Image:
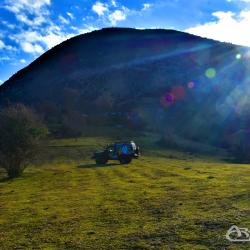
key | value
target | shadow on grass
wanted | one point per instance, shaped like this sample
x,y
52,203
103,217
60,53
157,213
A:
x,y
4,179
3,176
236,161
93,165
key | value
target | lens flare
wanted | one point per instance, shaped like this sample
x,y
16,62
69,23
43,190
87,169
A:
x,y
190,85
238,56
167,99
178,92
210,73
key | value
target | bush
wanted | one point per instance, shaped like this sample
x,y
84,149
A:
x,y
20,134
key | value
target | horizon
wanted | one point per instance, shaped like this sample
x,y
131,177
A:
x,y
28,29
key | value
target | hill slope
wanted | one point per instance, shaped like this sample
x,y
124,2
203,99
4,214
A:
x,y
161,80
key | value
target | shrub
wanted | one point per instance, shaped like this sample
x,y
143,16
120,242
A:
x,y
20,134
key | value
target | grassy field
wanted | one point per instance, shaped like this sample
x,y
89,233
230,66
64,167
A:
x,y
164,200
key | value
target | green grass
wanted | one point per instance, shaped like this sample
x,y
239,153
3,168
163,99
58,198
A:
x,y
164,200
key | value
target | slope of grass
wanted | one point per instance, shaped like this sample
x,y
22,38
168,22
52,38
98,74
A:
x,y
165,200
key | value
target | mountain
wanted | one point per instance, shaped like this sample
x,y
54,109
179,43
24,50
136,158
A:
x,y
159,80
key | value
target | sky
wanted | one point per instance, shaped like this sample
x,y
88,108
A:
x,y
28,28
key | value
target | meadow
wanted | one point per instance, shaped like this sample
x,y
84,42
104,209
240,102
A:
x,y
164,200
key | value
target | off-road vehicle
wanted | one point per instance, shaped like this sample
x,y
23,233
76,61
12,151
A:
x,y
121,151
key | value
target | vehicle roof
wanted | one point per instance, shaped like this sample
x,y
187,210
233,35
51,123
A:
x,y
122,142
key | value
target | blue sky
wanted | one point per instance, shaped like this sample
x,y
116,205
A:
x,y
28,28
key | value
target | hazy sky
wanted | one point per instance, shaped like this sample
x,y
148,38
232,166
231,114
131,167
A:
x,y
28,28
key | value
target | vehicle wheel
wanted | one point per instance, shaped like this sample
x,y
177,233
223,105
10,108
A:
x,y
124,159
101,161
137,151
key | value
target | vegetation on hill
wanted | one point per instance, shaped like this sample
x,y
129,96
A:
x,y
151,80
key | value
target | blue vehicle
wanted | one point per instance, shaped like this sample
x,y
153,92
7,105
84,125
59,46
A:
x,y
121,151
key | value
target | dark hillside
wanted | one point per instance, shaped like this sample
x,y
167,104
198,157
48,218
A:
x,y
160,80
